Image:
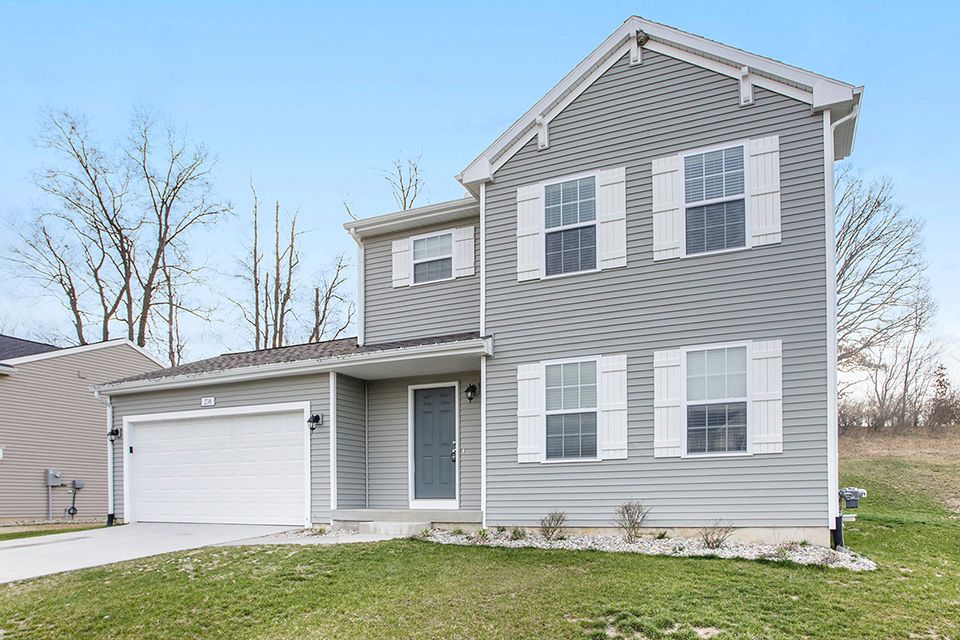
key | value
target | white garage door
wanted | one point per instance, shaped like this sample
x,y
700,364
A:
x,y
247,469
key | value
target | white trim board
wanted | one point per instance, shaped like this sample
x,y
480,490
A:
x,y
129,429
819,91
411,484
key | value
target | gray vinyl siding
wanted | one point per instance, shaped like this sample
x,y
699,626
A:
x,y
351,443
387,437
314,389
423,310
50,418
630,116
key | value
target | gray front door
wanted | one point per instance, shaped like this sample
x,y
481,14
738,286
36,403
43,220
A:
x,y
434,441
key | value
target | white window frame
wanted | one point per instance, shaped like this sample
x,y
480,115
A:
x,y
414,262
685,402
546,412
595,223
748,241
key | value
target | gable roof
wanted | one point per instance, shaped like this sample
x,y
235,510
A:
x,y
820,92
57,352
11,347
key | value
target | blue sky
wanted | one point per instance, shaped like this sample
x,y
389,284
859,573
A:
x,y
313,101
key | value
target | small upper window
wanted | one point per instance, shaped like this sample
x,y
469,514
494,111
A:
x,y
715,200
717,400
571,395
570,214
433,258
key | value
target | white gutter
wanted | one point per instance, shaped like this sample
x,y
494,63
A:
x,y
475,346
7,370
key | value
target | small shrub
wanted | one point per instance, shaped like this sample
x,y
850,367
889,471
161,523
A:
x,y
501,529
518,533
714,536
425,534
662,535
320,531
630,518
459,532
552,525
482,535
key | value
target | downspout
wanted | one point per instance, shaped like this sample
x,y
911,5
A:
x,y
111,517
834,519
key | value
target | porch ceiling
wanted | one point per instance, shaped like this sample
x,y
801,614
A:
x,y
426,365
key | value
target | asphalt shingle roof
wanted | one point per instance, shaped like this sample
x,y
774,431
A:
x,y
11,347
292,353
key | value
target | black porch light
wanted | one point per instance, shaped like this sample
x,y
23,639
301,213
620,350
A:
x,y
113,434
470,392
314,421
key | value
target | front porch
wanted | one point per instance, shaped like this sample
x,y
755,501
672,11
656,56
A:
x,y
405,444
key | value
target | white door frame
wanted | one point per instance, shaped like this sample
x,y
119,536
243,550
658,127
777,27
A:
x,y
433,503
129,422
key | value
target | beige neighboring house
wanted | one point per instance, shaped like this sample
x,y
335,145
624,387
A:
x,y
51,419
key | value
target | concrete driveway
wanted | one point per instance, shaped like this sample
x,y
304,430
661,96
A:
x,y
43,555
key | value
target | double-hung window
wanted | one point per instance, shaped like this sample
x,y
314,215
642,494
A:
x,y
433,257
571,410
570,226
714,200
716,407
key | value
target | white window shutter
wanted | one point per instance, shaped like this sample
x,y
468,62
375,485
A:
x,y
531,426
463,252
668,418
612,431
763,172
529,226
612,218
766,396
401,262
667,208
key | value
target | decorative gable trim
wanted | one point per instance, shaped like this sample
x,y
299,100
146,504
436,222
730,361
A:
x,y
819,91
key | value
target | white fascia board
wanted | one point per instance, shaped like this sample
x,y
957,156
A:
x,y
818,91
69,351
421,216
477,346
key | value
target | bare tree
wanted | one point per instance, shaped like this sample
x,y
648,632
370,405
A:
x,y
115,235
880,266
272,288
405,182
332,310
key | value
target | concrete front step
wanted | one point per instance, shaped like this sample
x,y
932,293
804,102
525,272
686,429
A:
x,y
392,528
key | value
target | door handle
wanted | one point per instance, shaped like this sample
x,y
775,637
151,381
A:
x,y
453,454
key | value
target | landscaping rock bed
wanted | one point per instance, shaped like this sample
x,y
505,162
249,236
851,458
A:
x,y
798,553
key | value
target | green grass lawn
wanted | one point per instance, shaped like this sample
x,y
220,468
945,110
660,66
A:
x,y
409,589
33,533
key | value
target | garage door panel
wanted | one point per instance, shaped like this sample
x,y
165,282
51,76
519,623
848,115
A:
x,y
242,469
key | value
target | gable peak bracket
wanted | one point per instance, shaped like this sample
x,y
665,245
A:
x,y
636,46
543,133
746,87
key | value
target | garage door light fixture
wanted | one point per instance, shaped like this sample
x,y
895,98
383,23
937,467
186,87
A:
x,y
314,421
113,434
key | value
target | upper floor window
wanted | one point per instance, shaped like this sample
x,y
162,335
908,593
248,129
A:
x,y
717,400
433,257
715,201
571,409
570,214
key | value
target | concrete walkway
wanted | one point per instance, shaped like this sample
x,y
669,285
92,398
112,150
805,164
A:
x,y
344,537
54,553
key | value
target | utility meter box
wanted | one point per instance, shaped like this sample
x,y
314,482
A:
x,y
53,478
78,484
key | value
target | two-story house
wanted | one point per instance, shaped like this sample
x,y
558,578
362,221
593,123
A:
x,y
635,302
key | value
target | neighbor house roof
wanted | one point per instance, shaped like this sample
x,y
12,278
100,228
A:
x,y
11,347
820,92
301,358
